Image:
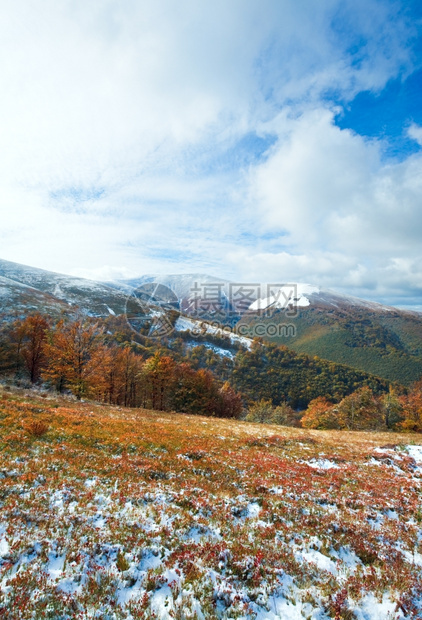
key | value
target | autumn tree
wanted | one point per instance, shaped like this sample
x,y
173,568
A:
x,y
22,346
320,414
34,329
129,372
360,411
16,337
260,411
264,412
195,391
6,351
412,409
285,415
392,408
74,356
230,402
158,373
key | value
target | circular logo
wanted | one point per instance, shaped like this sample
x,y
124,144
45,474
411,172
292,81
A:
x,y
152,310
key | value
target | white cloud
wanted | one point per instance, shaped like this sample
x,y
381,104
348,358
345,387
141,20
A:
x,y
415,132
344,216
116,118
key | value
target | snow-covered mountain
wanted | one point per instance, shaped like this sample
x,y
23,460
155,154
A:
x,y
366,335
197,291
303,295
24,288
369,336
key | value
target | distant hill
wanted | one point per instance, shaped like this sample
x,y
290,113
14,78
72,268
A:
x,y
380,340
24,289
372,337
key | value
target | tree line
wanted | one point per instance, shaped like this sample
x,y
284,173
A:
x,y
77,356
276,372
362,410
279,386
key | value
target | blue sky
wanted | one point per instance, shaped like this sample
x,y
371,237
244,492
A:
x,y
274,141
387,115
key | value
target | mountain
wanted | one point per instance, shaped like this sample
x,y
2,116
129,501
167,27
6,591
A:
x,y
379,339
24,289
366,335
371,337
16,297
195,292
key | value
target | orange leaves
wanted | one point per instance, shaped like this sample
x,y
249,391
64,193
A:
x,y
36,428
319,414
412,409
74,356
159,377
119,375
23,347
34,329
361,410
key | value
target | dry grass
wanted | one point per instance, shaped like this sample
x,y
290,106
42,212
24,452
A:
x,y
109,511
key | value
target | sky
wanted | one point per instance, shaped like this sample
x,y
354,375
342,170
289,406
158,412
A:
x,y
271,141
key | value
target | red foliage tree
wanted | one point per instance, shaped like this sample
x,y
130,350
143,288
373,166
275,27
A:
x,y
74,357
320,414
412,409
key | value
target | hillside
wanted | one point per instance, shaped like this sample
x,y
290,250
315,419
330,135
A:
x,y
369,337
17,298
285,376
106,360
116,513
24,289
386,343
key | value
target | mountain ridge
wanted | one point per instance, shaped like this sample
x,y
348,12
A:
x,y
378,339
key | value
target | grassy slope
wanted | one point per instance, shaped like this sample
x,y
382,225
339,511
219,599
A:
x,y
123,513
396,356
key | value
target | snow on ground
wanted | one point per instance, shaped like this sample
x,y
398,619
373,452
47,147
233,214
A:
x,y
416,453
4,545
370,608
202,327
321,464
212,347
167,514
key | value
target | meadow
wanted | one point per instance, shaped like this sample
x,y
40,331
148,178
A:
x,y
109,512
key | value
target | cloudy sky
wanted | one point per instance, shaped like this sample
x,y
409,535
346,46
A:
x,y
278,140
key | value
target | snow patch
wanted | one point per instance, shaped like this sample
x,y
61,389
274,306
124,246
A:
x,y
4,545
253,510
416,453
372,609
322,561
202,328
322,464
288,295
